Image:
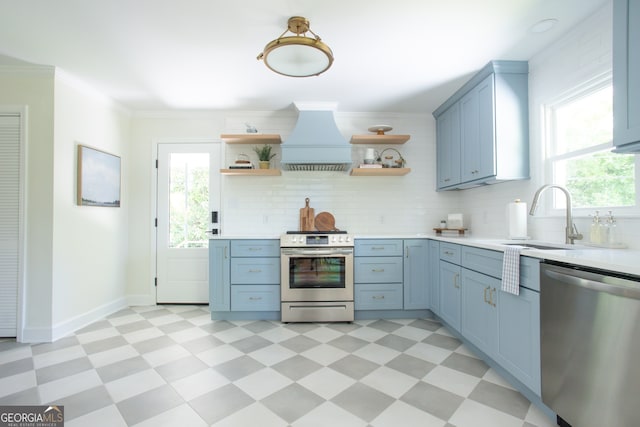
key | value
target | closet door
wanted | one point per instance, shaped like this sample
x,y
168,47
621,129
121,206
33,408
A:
x,y
9,222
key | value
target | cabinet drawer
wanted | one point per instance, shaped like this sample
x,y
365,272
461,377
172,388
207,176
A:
x,y
255,248
450,252
378,247
377,270
483,261
255,271
379,296
255,298
490,263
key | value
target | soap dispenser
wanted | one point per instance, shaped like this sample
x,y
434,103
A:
x,y
594,232
612,228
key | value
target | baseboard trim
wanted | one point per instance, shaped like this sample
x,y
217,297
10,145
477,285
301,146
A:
x,y
36,335
71,325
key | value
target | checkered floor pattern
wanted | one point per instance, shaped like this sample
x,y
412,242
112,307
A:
x,y
174,366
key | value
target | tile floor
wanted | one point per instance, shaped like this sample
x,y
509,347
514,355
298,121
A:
x,y
172,365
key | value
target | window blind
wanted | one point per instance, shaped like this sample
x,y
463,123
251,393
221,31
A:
x,y
9,222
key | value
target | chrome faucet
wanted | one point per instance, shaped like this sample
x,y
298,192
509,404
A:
x,y
571,231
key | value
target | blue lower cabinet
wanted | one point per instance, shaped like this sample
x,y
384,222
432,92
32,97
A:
x,y
479,320
378,296
518,346
450,294
244,279
377,269
219,275
434,276
255,271
416,274
255,298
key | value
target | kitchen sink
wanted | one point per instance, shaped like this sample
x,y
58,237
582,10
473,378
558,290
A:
x,y
541,247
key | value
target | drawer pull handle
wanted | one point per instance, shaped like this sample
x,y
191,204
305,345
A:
x,y
378,270
455,281
255,298
485,294
255,249
377,248
448,253
257,270
378,297
447,179
491,294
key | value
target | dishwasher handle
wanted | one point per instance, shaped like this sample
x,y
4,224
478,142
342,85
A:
x,y
621,287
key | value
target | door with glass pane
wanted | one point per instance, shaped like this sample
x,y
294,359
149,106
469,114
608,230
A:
x,y
188,204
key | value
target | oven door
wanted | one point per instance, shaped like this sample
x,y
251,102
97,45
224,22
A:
x,y
316,274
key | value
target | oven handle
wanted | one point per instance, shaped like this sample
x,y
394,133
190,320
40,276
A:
x,y
316,251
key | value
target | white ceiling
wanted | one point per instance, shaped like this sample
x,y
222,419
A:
x,y
391,56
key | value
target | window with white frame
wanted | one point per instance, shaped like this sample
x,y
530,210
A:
x,y
579,157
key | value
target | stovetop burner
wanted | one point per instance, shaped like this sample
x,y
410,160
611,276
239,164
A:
x,y
318,232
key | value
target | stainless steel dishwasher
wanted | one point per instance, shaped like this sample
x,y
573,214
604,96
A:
x,y
590,345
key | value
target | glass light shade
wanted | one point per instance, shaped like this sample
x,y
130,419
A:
x,y
298,56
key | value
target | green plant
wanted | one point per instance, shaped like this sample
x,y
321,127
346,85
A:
x,y
264,153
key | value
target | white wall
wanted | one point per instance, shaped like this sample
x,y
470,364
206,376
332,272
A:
x,y
269,206
90,244
581,54
33,87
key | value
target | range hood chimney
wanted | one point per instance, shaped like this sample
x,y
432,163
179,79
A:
x,y
316,144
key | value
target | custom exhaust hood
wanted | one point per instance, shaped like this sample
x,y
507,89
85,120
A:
x,y
316,144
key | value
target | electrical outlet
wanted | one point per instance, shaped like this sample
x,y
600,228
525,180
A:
x,y
381,219
265,219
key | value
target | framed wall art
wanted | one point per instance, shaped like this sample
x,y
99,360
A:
x,y
98,178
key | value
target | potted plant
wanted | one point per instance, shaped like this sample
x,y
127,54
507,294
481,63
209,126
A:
x,y
264,155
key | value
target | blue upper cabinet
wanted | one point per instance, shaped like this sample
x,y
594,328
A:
x,y
626,76
448,137
483,129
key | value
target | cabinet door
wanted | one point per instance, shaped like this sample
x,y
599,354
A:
x,y
626,72
477,130
448,147
434,276
479,321
450,294
219,276
416,291
518,346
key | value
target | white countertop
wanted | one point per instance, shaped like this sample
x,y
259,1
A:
x,y
619,260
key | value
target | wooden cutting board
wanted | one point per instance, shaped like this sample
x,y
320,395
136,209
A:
x,y
325,222
307,217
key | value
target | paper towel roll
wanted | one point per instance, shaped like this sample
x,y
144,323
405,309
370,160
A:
x,y
517,218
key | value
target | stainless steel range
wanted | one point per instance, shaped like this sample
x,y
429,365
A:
x,y
316,277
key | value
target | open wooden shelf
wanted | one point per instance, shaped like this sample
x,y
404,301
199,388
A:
x,y
251,138
251,172
460,231
380,171
380,139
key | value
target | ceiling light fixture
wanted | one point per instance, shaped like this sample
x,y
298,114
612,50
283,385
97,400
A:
x,y
299,55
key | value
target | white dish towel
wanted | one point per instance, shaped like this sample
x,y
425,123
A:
x,y
511,269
